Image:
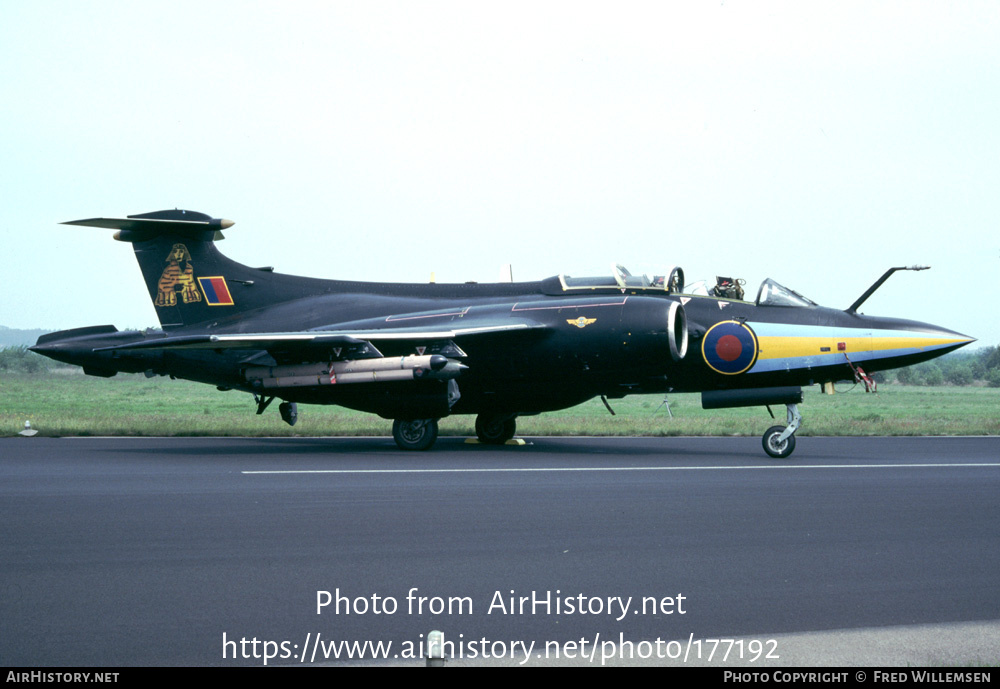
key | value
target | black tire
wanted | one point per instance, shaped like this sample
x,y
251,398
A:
x,y
415,434
773,448
495,430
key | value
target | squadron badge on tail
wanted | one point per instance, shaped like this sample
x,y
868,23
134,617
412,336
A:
x,y
174,276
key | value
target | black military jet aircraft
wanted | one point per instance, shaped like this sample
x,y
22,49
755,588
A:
x,y
417,352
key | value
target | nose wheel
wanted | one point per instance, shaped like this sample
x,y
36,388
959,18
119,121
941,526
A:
x,y
779,441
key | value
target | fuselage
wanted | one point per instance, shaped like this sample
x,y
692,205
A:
x,y
417,352
601,341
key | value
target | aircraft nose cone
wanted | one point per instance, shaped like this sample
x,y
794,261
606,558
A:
x,y
942,336
901,343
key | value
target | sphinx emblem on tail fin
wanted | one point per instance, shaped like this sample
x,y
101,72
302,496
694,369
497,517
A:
x,y
179,273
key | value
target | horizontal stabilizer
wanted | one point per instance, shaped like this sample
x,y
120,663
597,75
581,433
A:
x,y
137,228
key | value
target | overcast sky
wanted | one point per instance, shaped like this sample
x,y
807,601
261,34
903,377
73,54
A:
x,y
818,144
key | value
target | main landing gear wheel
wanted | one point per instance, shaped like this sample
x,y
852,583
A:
x,y
415,434
774,445
495,430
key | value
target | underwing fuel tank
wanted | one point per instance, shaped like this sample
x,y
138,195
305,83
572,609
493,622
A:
x,y
386,369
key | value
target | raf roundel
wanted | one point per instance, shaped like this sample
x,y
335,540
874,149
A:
x,y
729,348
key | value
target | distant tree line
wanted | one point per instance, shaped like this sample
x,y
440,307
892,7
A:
x,y
980,367
18,359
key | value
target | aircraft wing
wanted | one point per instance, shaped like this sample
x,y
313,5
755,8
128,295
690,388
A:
x,y
360,343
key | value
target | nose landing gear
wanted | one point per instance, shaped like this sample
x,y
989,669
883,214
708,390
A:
x,y
779,441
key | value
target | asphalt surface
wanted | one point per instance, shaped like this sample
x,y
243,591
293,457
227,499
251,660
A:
x,y
203,551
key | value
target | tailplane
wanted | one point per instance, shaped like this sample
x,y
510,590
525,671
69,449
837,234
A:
x,y
188,279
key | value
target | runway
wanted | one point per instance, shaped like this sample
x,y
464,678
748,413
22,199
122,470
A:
x,y
184,551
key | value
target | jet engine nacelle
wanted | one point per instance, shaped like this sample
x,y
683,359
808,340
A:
x,y
677,331
654,331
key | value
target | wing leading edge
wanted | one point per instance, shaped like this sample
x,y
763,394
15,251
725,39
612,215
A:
x,y
313,339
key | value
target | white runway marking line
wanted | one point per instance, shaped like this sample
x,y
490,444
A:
x,y
583,469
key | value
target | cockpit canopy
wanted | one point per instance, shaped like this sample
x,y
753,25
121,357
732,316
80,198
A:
x,y
773,294
671,281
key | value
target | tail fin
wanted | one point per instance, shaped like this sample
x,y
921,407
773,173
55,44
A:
x,y
188,279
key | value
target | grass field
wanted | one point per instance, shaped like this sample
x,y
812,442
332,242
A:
x,y
60,404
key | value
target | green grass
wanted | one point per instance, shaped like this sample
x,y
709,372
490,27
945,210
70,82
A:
x,y
59,404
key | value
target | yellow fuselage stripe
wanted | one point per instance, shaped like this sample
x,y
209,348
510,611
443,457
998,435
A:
x,y
780,347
